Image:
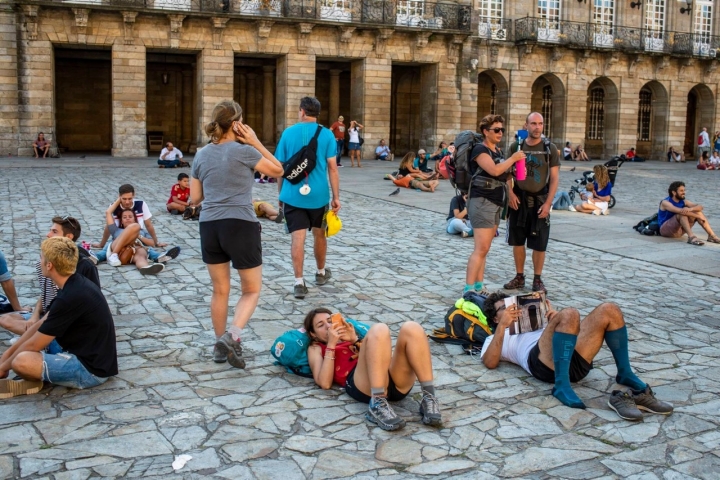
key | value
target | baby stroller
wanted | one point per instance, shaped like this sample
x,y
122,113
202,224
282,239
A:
x,y
588,176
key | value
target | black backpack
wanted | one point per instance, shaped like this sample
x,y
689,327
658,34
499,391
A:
x,y
648,226
303,162
458,166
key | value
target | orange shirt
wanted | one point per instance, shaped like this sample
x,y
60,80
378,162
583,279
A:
x,y
404,182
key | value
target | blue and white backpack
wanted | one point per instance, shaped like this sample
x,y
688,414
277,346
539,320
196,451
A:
x,y
290,348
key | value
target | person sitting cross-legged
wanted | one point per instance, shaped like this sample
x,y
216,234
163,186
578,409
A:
x,y
457,220
677,216
564,350
376,374
75,345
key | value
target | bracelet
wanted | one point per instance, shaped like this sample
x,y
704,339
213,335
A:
x,y
330,358
330,350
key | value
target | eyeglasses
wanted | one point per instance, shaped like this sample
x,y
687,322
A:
x,y
496,130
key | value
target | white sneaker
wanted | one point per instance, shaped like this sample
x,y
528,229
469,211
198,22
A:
x,y
596,212
606,212
114,260
572,209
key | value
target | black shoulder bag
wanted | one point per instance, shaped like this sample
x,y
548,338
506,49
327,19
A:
x,y
303,162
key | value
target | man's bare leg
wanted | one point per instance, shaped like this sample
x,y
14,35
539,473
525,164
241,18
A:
x,y
319,247
13,322
705,224
297,251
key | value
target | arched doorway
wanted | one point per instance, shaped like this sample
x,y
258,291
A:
x,y
652,126
700,108
601,125
548,98
492,96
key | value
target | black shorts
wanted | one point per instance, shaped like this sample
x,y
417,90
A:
x,y
518,235
231,239
579,367
304,218
393,395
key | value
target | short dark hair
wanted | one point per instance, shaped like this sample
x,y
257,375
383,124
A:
x,y
69,225
674,186
489,306
488,120
127,188
311,105
310,317
183,175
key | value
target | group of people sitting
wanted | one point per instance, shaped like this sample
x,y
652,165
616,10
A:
x,y
576,154
414,171
709,162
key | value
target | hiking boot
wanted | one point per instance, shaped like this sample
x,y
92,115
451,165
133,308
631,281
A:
x,y
645,400
300,290
152,269
230,349
516,283
624,406
13,388
218,356
322,279
169,255
381,413
430,410
539,286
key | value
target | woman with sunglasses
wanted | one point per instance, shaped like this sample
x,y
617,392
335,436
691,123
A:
x,y
488,195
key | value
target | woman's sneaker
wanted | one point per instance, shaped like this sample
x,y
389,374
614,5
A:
x,y
169,255
381,413
231,349
430,410
645,400
572,209
113,260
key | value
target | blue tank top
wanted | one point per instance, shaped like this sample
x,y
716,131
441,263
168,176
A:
x,y
664,215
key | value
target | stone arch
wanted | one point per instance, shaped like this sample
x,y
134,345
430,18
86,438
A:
x,y
652,127
493,97
603,118
700,113
548,97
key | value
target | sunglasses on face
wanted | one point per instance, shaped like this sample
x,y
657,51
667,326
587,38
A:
x,y
496,130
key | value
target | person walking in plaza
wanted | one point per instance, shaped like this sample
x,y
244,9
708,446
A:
x,y
677,216
338,129
306,203
354,146
222,179
530,201
703,142
488,195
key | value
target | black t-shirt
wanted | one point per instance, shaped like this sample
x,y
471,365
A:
x,y
497,194
403,171
81,322
86,268
458,203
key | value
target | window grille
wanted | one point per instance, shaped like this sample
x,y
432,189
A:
x,y
596,109
547,109
644,115
493,99
549,14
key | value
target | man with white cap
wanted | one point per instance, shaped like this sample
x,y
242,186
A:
x,y
421,161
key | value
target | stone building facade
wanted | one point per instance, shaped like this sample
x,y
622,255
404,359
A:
x,y
108,75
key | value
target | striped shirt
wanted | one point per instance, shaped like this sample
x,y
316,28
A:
x,y
48,290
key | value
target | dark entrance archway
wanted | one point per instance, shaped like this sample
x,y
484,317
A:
x,y
700,113
652,127
413,108
493,93
548,98
254,89
603,116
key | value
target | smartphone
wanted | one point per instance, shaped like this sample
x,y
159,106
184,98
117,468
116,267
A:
x,y
337,320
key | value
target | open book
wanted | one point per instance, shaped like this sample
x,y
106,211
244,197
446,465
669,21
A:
x,y
534,312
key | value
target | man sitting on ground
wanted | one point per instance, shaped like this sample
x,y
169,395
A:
x,y
677,216
171,157
67,227
8,285
564,350
382,152
75,345
421,161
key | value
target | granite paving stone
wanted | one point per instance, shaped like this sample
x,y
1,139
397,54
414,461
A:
x,y
392,262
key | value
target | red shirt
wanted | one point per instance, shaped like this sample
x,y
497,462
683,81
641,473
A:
x,y
346,358
182,194
630,154
338,130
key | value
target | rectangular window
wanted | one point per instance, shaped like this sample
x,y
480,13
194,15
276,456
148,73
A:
x,y
490,23
654,24
603,19
411,12
702,27
338,10
548,12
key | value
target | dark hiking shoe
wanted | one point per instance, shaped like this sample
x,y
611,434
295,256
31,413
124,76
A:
x,y
539,286
381,413
169,255
218,356
322,279
624,406
300,290
280,216
516,283
152,269
645,400
430,410
231,349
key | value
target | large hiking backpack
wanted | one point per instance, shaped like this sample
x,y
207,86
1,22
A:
x,y
648,226
458,166
462,328
290,348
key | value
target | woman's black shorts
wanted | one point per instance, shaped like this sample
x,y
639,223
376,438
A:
x,y
231,240
579,367
393,394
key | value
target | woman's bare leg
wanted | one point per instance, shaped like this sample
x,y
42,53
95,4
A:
x,y
411,358
127,237
250,285
220,276
374,361
140,258
483,238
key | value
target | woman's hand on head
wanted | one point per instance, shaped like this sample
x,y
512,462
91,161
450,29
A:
x,y
245,134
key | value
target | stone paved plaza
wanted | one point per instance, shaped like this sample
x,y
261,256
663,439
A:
x,y
391,263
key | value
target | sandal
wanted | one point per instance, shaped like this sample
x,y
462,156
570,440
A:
x,y
695,241
713,239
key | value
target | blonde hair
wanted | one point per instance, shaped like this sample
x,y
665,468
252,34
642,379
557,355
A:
x,y
601,175
223,116
62,253
408,158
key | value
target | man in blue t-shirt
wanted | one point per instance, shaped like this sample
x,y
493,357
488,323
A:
x,y
677,216
305,204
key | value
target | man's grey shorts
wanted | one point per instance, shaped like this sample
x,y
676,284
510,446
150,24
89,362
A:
x,y
483,213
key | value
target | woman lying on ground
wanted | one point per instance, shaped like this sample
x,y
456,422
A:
x,y
371,371
407,168
129,234
408,181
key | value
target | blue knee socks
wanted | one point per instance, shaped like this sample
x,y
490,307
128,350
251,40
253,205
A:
x,y
563,348
617,342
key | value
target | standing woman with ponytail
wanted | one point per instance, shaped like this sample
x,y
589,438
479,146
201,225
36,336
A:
x,y
222,179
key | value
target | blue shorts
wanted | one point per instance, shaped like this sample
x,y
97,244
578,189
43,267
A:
x,y
65,369
5,274
353,146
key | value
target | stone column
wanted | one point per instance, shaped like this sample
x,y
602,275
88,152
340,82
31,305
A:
x,y
629,101
129,105
295,79
214,84
576,116
468,103
187,107
429,98
9,105
268,123
334,103
371,88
